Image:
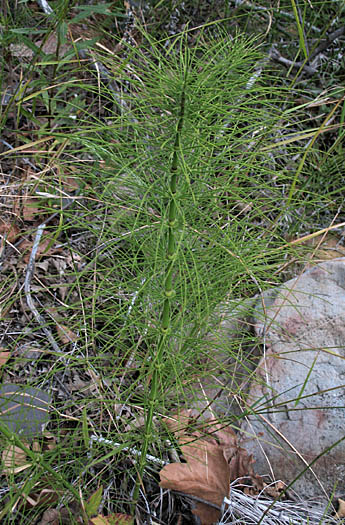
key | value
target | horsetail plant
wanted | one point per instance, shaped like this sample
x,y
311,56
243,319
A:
x,y
169,292
186,151
179,193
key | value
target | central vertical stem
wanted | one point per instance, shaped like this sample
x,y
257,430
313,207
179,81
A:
x,y
169,292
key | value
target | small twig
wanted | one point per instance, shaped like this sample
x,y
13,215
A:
x,y
148,510
310,70
131,450
27,288
277,57
45,7
326,43
27,284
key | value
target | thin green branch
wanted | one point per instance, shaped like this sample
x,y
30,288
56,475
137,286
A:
x,y
169,293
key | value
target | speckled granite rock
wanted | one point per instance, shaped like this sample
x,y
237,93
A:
x,y
299,392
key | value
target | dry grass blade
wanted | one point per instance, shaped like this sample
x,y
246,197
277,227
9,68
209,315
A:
x,y
242,508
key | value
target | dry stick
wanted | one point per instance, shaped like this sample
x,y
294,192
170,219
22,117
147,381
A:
x,y
277,57
324,45
27,285
45,6
310,70
197,499
132,450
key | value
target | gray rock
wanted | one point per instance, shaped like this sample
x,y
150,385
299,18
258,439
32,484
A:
x,y
24,410
298,395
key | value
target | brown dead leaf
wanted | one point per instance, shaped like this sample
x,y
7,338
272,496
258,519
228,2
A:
x,y
206,473
50,517
114,519
26,208
99,520
21,51
36,446
180,423
64,516
44,497
14,460
341,510
213,461
26,246
10,231
44,248
43,265
330,248
65,334
4,355
274,490
50,46
48,443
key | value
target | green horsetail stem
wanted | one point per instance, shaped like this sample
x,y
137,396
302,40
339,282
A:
x,y
169,293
